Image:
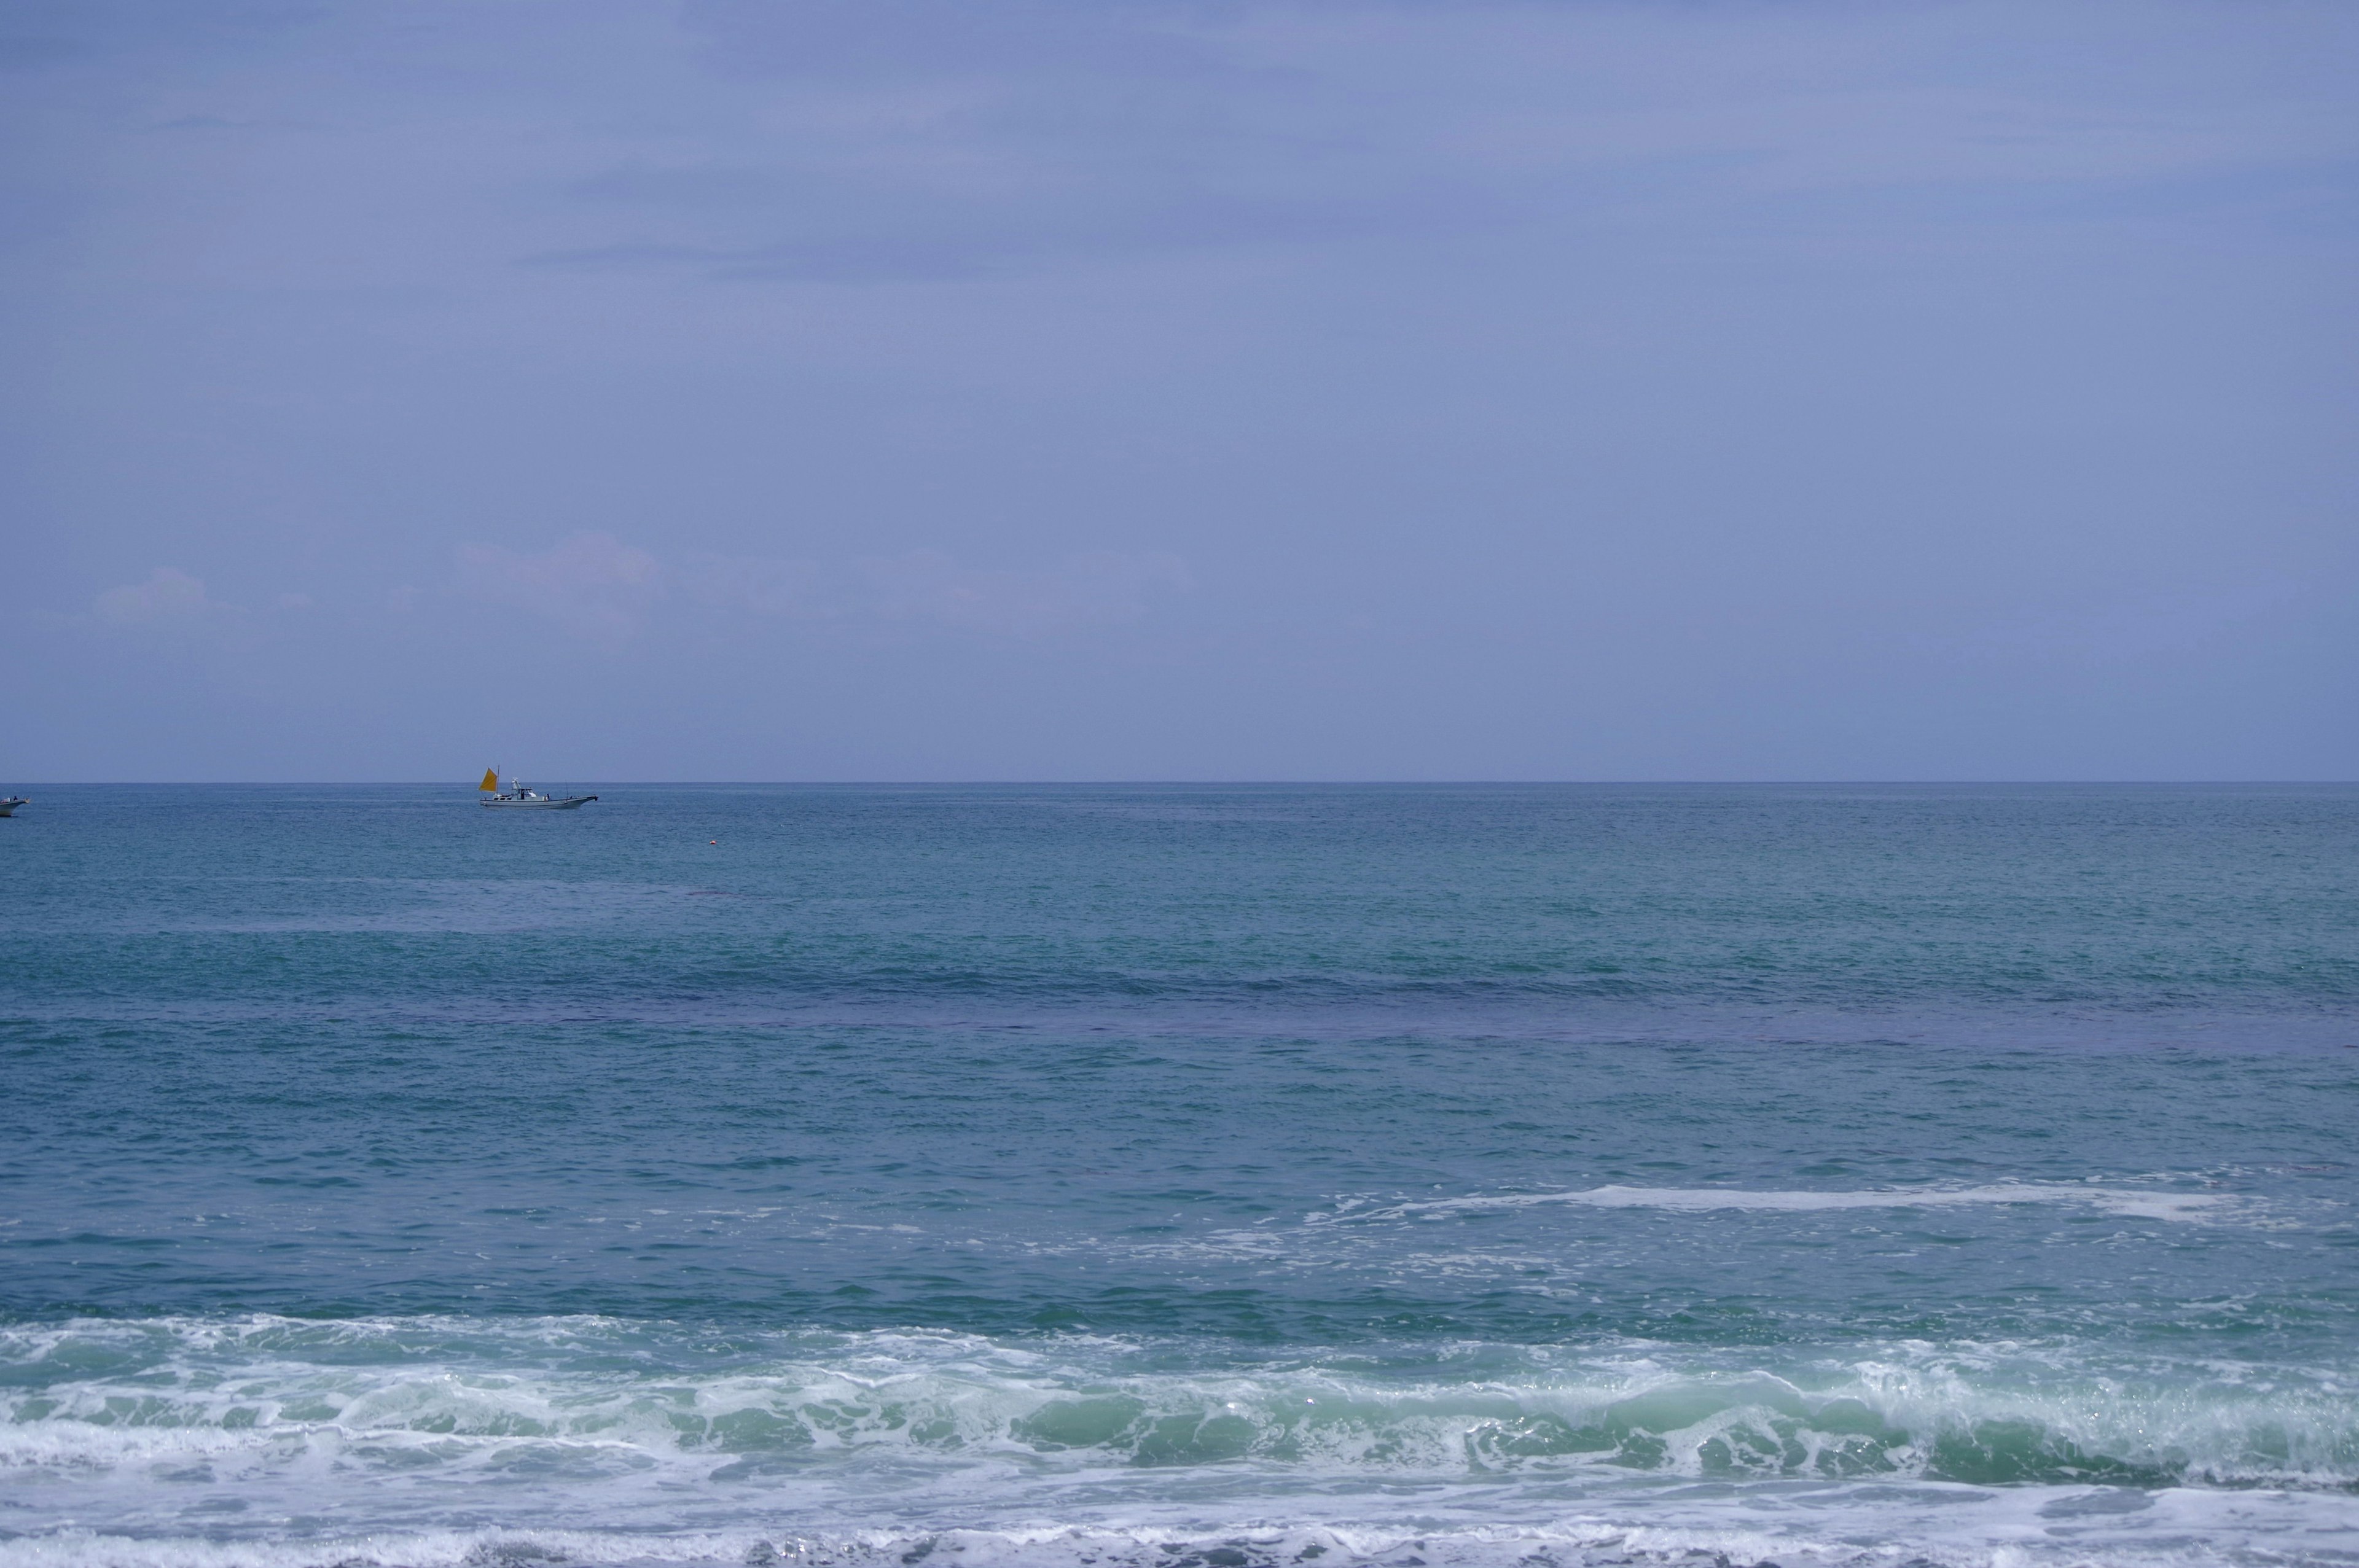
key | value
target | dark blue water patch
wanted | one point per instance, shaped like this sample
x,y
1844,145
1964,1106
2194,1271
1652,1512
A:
x,y
2150,901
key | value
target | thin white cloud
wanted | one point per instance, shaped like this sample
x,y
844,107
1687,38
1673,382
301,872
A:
x,y
592,583
1098,589
766,587
169,596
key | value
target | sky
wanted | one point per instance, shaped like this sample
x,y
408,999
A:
x,y
1124,389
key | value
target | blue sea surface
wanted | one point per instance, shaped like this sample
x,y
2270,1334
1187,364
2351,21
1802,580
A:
x,y
1181,1177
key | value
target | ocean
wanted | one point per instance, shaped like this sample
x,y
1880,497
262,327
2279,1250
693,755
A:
x,y
1181,1177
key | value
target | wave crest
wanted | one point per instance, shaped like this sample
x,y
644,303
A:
x,y
585,1399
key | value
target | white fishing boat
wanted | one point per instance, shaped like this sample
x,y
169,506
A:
x,y
517,794
8,806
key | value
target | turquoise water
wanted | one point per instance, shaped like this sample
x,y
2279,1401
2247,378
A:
x,y
1182,1176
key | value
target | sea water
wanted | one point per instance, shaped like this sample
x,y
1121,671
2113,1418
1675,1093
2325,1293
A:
x,y
1194,1177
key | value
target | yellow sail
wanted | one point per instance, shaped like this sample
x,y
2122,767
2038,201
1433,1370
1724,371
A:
x,y
491,779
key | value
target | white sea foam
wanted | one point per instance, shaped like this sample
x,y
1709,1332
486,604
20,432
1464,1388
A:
x,y
2033,1528
459,1404
2140,1201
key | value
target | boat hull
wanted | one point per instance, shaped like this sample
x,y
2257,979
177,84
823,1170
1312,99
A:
x,y
8,807
570,803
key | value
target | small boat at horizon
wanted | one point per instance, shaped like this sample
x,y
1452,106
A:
x,y
517,794
8,806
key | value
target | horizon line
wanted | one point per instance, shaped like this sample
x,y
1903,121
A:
x,y
1221,782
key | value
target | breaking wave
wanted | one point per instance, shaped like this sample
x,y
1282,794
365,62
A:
x,y
585,1400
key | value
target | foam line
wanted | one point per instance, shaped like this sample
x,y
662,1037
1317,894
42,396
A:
x,y
2143,1204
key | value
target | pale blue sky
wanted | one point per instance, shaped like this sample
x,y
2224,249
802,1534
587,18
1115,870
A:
x,y
947,390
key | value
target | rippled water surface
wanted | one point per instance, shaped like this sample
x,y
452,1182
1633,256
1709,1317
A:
x,y
1194,1177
